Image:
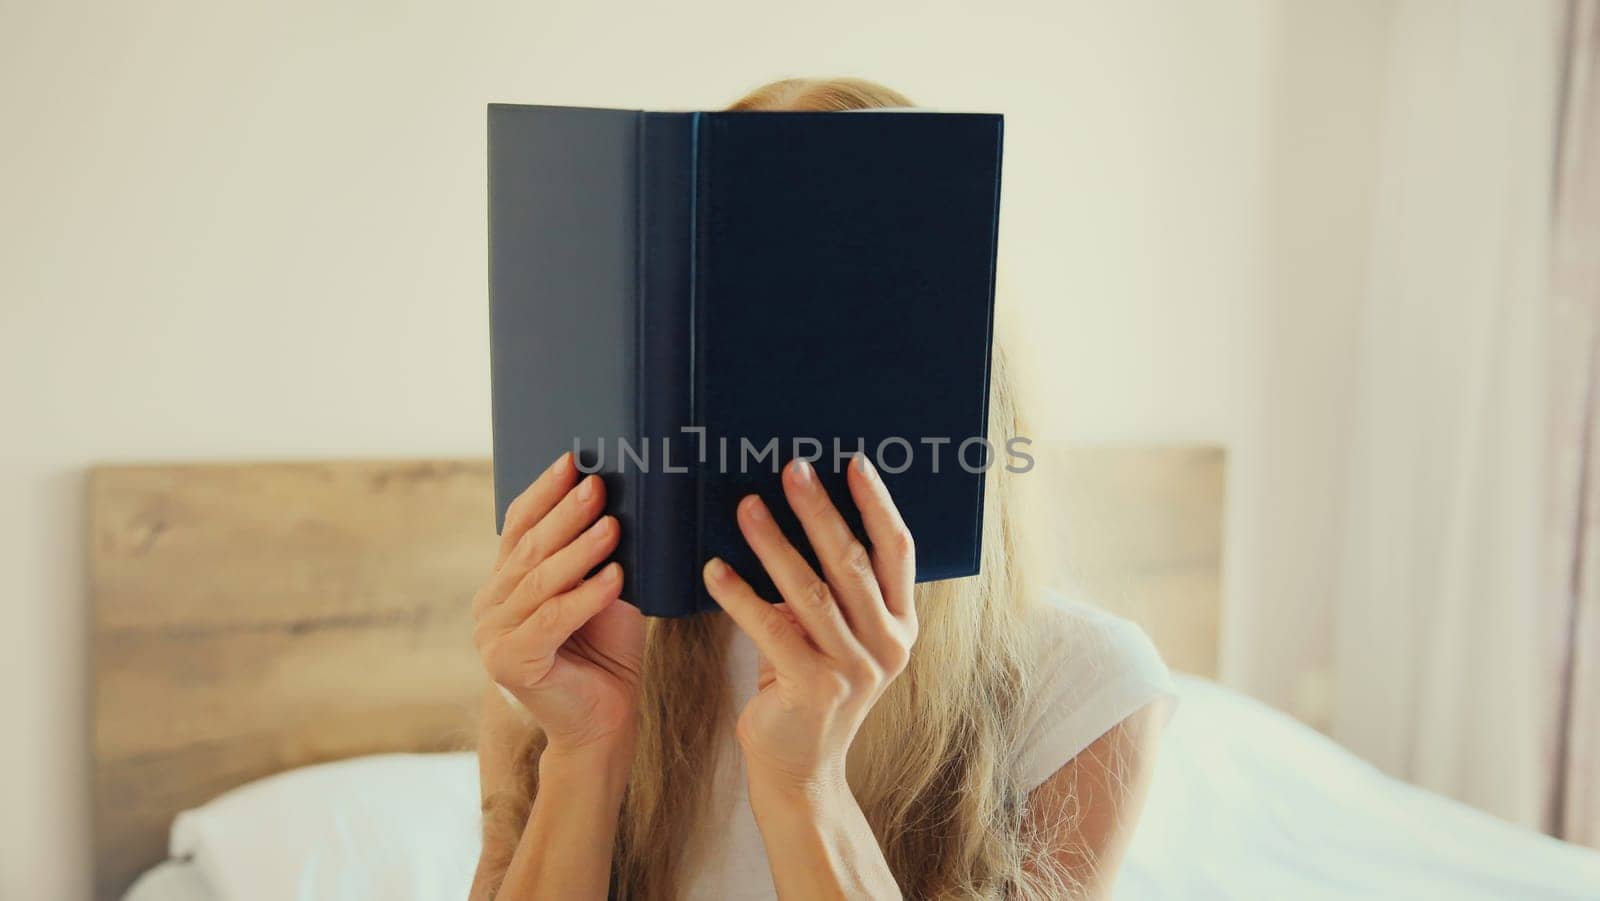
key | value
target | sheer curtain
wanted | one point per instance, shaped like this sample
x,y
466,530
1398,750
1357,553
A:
x,y
1572,523
1445,669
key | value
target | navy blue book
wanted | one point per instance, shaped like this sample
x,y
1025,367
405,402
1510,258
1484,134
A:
x,y
690,300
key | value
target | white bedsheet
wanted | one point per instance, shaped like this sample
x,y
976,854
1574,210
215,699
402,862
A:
x,y
1247,804
172,880
1250,804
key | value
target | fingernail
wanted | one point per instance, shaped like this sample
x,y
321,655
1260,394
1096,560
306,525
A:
x,y
716,569
601,530
559,466
611,573
865,466
754,509
802,471
586,488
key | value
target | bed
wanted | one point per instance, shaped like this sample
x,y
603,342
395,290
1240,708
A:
x,y
284,691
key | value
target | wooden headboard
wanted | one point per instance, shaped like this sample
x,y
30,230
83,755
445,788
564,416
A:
x,y
252,618
1138,531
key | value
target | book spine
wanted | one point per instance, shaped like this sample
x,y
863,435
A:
x,y
667,579
699,309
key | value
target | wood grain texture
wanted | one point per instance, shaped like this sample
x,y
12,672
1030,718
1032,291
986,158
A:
x,y
248,619
1138,532
252,618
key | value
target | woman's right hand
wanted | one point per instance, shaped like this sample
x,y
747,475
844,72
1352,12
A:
x,y
565,646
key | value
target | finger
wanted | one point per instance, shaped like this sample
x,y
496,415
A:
x,y
548,628
576,511
894,556
558,573
845,560
571,513
502,582
807,594
535,502
775,635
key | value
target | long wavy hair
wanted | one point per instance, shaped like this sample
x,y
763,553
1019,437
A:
x,y
935,765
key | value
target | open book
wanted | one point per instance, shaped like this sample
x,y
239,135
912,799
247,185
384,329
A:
x,y
691,299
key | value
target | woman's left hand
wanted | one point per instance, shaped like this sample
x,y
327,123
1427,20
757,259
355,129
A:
x,y
832,647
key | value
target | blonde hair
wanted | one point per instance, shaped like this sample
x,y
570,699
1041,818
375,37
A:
x,y
935,766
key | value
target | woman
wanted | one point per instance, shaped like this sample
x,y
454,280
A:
x,y
864,738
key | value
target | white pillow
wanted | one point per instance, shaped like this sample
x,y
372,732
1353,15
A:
x,y
393,826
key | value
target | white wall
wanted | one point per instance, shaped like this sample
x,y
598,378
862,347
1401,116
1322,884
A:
x,y
231,232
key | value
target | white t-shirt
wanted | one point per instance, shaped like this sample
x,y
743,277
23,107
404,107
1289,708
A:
x,y
1095,670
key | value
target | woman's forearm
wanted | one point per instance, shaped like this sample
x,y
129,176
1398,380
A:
x,y
818,842
565,850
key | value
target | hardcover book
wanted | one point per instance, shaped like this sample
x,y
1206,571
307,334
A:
x,y
689,300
